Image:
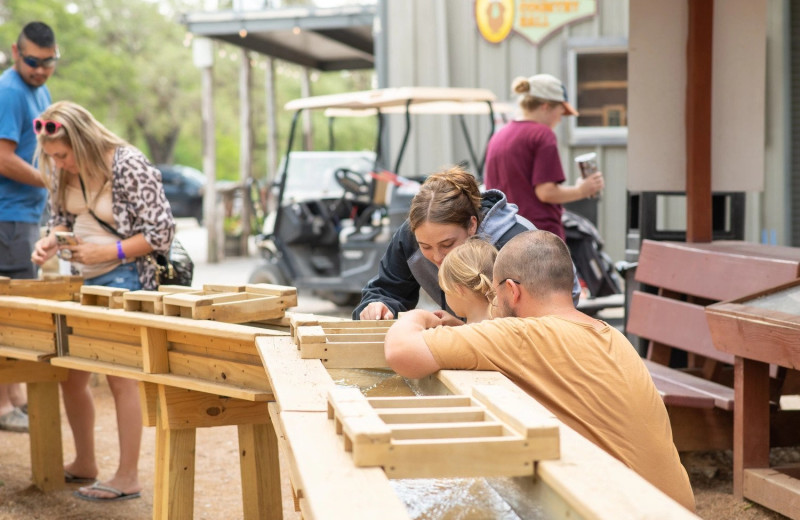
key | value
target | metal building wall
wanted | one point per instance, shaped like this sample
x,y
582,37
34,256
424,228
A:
x,y
436,43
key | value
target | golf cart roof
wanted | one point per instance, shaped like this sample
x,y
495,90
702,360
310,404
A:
x,y
392,97
432,107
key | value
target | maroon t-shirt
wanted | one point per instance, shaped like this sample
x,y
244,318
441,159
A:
x,y
520,156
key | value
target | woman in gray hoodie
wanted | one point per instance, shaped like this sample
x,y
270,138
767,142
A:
x,y
448,209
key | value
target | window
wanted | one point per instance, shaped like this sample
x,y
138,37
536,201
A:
x,y
598,85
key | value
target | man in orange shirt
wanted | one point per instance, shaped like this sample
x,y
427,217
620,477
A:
x,y
583,370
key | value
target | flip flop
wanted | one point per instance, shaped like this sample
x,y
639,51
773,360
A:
x,y
69,478
119,495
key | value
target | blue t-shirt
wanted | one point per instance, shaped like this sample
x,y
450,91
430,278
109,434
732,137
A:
x,y
19,105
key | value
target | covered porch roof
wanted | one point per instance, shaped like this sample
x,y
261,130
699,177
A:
x,y
333,38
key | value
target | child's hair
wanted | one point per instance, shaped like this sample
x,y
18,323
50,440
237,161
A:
x,y
469,265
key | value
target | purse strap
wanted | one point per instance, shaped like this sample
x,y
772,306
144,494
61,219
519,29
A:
x,y
102,223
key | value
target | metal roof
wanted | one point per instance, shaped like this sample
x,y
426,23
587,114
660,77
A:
x,y
332,38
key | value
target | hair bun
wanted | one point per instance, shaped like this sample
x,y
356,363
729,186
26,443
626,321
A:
x,y
520,85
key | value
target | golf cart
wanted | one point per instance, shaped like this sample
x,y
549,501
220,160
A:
x,y
332,222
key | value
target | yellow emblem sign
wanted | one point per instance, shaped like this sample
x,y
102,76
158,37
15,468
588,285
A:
x,y
495,18
535,20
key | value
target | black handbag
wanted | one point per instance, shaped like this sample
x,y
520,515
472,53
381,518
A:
x,y
172,268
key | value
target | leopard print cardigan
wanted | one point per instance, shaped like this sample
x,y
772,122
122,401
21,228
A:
x,y
138,203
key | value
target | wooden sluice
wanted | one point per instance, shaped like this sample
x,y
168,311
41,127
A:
x,y
268,376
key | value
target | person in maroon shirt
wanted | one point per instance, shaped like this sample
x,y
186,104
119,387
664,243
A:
x,y
522,158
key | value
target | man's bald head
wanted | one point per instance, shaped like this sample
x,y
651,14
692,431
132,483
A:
x,y
539,260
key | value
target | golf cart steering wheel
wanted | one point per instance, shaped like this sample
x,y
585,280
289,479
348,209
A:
x,y
352,181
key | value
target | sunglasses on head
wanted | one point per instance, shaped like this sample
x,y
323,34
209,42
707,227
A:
x,y
46,126
35,63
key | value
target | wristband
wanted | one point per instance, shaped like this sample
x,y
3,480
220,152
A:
x,y
120,252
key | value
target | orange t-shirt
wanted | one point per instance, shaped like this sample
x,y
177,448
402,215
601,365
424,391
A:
x,y
593,380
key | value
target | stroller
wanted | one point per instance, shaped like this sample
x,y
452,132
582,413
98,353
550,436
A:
x,y
594,266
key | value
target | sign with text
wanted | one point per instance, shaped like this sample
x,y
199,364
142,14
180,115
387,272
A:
x,y
535,20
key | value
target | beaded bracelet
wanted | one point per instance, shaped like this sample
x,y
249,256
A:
x,y
120,252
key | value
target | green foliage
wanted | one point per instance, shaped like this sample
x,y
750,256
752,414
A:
x,y
130,63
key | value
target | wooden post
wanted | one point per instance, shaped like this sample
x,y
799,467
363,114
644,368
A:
x,y
261,476
47,459
272,122
245,145
305,91
698,121
750,415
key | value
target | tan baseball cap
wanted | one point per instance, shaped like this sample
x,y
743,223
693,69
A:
x,y
550,88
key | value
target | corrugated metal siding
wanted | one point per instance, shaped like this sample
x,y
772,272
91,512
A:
x,y
415,59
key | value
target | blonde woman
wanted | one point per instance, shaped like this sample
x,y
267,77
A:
x,y
465,276
110,198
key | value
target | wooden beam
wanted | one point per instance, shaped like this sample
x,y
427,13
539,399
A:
x,y
699,53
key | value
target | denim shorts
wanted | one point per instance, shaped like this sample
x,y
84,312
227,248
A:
x,y
124,276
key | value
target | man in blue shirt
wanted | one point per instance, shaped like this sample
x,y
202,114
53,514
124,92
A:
x,y
23,96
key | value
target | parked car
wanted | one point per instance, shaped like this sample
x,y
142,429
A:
x,y
184,187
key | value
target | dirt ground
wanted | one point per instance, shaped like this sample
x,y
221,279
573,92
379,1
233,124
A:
x,y
218,482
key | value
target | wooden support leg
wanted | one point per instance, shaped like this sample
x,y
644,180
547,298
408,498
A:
x,y
174,480
750,419
47,457
261,478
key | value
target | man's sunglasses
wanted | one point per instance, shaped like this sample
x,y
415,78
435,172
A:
x,y
45,63
46,126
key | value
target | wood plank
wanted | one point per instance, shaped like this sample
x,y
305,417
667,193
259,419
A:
x,y
722,396
260,470
721,270
103,328
715,423
328,483
420,401
108,351
218,371
287,373
447,431
346,355
154,351
753,337
251,359
148,396
223,343
675,323
30,318
251,309
513,410
750,419
776,488
177,381
23,371
173,495
432,415
41,341
44,418
25,354
182,408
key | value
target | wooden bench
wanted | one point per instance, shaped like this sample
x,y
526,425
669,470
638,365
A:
x,y
697,388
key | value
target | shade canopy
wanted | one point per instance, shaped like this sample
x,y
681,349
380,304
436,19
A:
x,y
335,38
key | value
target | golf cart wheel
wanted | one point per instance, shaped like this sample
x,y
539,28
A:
x,y
268,273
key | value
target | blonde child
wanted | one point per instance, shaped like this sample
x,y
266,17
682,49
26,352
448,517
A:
x,y
465,276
